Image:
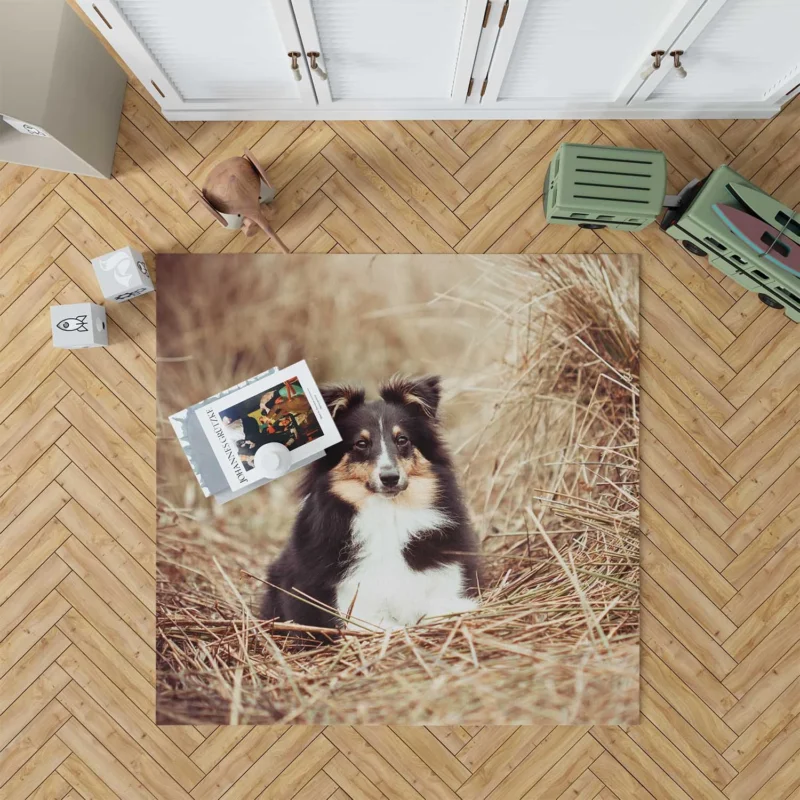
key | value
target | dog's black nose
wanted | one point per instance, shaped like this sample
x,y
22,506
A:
x,y
390,478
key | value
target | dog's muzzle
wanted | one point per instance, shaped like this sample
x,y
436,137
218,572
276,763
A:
x,y
390,481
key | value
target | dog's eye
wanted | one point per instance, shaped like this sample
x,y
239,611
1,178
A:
x,y
401,440
361,444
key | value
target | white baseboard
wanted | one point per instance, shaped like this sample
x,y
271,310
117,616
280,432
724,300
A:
x,y
699,111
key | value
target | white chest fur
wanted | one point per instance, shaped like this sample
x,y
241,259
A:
x,y
388,592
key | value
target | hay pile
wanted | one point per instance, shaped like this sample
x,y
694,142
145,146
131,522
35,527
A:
x,y
546,414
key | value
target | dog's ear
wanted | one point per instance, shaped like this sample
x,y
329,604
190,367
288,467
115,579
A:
x,y
341,398
422,393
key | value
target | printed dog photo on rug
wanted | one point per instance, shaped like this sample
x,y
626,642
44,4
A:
x,y
383,538
468,554
281,414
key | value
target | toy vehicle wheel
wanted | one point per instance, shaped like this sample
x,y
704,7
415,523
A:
x,y
592,226
693,248
769,301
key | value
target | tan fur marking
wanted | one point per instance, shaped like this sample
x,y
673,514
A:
x,y
422,483
351,491
339,404
349,481
410,398
400,384
421,493
417,465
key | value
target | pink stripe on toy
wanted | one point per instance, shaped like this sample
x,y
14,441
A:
x,y
764,239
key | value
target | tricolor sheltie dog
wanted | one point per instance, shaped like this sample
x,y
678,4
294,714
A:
x,y
382,532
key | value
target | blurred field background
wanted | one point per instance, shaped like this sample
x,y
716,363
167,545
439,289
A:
x,y
539,358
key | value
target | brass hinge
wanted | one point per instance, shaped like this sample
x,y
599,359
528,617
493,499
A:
x,y
485,83
469,88
503,15
486,13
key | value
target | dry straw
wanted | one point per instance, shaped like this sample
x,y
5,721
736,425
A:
x,y
547,447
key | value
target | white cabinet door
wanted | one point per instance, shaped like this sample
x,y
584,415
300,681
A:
x,y
404,54
740,51
570,54
208,54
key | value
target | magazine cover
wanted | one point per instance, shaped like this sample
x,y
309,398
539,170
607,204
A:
x,y
284,407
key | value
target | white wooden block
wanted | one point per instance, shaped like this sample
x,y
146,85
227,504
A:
x,y
78,325
122,275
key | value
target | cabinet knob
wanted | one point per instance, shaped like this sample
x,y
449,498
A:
x,y
676,59
295,66
315,68
651,68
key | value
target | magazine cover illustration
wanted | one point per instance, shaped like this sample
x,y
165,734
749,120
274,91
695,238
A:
x,y
281,414
286,407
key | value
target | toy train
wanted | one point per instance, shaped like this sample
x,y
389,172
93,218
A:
x,y
744,232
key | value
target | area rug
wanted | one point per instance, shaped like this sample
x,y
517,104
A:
x,y
506,388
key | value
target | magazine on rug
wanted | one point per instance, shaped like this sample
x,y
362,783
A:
x,y
223,434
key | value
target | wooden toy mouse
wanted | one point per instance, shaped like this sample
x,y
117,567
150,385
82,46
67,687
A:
x,y
234,193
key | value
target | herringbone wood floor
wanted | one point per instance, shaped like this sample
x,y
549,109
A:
x,y
720,471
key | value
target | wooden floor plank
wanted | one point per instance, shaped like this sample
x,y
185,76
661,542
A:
x,y
517,198
228,757
691,688
163,766
12,176
108,515
419,161
83,781
766,399
99,760
501,180
142,187
681,733
29,195
680,444
302,150
375,227
110,479
16,281
437,143
159,131
425,221
33,736
682,555
488,158
476,133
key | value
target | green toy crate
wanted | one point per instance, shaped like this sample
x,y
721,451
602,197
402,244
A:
x,y
598,187
702,232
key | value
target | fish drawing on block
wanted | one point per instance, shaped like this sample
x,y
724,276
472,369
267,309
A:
x,y
764,239
120,264
77,324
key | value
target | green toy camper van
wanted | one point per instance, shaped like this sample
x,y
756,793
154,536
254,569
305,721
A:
x,y
594,186
605,187
695,224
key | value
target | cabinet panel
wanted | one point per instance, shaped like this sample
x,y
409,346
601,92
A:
x,y
454,59
388,52
747,52
207,53
582,50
